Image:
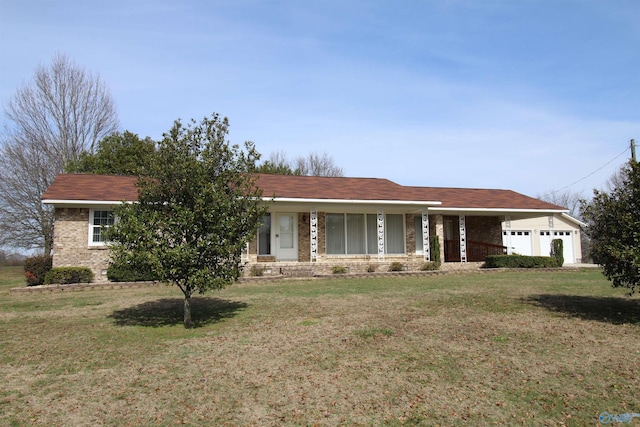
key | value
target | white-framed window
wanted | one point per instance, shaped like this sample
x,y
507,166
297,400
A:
x,y
357,234
98,221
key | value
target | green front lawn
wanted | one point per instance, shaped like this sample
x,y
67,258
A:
x,y
505,348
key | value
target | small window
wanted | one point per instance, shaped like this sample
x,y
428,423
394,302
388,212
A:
x,y
264,236
98,221
417,226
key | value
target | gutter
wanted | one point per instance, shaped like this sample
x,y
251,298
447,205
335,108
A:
x,y
356,202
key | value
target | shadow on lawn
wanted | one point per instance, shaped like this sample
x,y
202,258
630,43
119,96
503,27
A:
x,y
170,312
603,309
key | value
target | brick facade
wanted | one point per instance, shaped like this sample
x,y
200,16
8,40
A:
x,y
71,246
71,243
304,236
485,229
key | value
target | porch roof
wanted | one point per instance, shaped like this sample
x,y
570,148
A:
x,y
376,189
481,198
100,189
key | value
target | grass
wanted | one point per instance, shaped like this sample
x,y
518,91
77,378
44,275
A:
x,y
498,348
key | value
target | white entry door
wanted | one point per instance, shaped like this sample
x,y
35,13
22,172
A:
x,y
287,236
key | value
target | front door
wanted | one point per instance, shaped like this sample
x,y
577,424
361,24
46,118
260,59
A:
x,y
287,237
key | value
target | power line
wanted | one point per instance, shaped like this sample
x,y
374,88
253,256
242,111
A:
x,y
592,173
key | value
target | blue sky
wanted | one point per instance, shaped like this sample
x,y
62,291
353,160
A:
x,y
530,95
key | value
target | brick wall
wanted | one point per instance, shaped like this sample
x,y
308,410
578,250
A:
x,y
304,236
411,231
485,229
71,243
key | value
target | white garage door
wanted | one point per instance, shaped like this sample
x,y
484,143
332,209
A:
x,y
520,242
567,244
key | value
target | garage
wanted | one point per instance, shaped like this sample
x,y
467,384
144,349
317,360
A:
x,y
519,241
567,244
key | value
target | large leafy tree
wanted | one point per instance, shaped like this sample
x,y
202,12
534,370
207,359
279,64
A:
x,y
613,224
195,212
118,154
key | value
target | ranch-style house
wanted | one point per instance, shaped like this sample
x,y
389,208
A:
x,y
317,223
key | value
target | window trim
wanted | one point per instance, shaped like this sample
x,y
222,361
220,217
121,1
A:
x,y
92,226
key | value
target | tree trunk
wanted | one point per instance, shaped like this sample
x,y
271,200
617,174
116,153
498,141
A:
x,y
187,312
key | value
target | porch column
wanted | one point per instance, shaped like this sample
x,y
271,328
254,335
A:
x,y
463,238
244,256
507,229
440,234
550,248
426,248
380,235
313,230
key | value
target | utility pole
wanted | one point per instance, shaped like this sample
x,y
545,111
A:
x,y
633,150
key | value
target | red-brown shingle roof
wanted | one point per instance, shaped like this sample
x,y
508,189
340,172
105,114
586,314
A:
x,y
331,188
80,187
479,198
106,188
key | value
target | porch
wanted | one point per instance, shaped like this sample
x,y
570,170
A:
x,y
476,251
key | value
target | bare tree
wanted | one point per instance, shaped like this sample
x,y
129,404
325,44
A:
x,y
616,180
313,165
317,165
63,112
279,159
567,199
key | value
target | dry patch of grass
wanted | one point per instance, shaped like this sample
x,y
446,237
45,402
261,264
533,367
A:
x,y
551,348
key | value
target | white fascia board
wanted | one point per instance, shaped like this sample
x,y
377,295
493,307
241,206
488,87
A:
x,y
500,210
352,202
55,202
574,220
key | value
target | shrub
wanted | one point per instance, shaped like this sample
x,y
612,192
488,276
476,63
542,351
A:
x,y
66,275
520,261
371,268
256,270
434,248
121,272
396,266
36,268
338,269
558,250
430,266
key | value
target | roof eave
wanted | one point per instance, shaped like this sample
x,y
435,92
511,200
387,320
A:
x,y
573,219
357,202
62,202
505,210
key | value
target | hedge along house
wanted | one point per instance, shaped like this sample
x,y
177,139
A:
x,y
317,223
